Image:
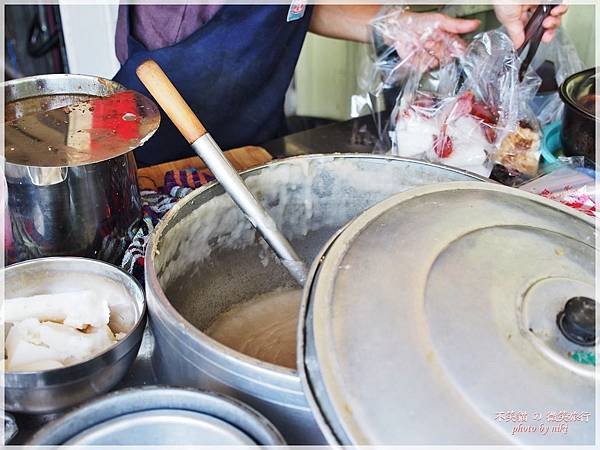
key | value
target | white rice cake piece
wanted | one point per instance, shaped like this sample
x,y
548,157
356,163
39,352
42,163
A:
x,y
25,354
38,366
27,330
23,345
73,345
76,309
122,311
31,342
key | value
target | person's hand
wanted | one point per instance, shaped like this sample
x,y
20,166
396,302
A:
x,y
426,40
514,17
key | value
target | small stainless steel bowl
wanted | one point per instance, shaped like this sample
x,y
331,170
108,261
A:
x,y
160,416
49,391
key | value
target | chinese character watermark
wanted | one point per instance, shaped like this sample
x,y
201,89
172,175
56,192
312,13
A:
x,y
555,421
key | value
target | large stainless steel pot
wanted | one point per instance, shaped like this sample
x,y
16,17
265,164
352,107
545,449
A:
x,y
205,256
456,314
83,208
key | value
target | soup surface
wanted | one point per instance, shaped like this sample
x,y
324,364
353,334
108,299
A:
x,y
263,327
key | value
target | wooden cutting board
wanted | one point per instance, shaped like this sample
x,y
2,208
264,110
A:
x,y
242,158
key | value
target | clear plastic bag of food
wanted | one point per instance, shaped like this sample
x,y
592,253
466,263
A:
x,y
470,113
406,46
490,120
553,62
570,183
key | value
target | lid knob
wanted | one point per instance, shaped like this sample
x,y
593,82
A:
x,y
577,321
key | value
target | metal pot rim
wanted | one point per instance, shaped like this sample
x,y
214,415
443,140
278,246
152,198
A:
x,y
75,372
76,84
57,76
175,319
147,398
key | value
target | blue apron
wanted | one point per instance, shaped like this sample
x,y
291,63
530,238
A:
x,y
234,72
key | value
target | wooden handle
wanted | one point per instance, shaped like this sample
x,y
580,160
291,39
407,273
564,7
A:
x,y
170,100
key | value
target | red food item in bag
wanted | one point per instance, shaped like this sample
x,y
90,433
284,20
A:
x,y
489,119
485,113
574,198
442,145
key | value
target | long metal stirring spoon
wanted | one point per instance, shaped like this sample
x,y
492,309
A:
x,y
167,96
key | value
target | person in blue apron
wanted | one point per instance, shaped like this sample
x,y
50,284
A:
x,y
234,63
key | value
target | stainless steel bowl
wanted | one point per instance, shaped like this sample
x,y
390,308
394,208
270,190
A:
x,y
160,415
50,391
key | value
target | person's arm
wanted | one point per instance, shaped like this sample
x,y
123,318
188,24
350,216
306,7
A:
x,y
349,22
422,39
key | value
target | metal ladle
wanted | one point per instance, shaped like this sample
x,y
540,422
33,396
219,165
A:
x,y
167,96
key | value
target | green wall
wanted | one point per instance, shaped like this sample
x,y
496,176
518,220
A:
x,y
579,25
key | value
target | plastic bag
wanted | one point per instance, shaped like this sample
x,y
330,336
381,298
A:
x,y
486,121
570,183
491,68
404,48
408,44
554,62
471,112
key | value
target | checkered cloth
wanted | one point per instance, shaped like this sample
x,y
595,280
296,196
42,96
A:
x,y
155,204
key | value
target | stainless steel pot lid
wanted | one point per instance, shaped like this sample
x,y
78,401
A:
x,y
162,427
432,319
84,132
160,415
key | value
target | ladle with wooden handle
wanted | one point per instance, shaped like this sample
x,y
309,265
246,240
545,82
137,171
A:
x,y
167,96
